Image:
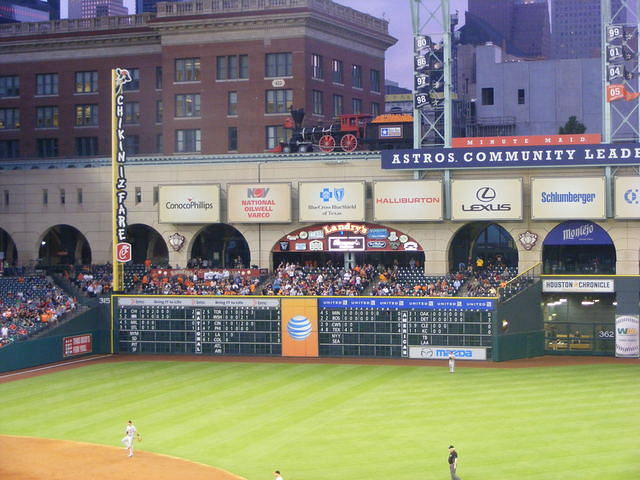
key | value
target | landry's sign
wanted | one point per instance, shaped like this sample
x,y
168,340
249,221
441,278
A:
x,y
407,201
518,157
182,204
259,203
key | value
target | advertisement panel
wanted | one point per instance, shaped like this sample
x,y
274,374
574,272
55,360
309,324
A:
x,y
627,336
259,203
627,197
434,352
77,345
524,140
331,201
180,204
576,285
299,327
559,199
578,232
486,199
407,201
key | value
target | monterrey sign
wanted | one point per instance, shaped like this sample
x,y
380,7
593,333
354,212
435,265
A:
x,y
518,157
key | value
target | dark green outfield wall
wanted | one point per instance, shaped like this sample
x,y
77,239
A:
x,y
48,349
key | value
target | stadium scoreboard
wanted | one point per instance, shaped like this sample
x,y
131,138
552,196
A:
x,y
389,327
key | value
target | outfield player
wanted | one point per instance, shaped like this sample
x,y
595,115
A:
x,y
453,463
130,433
452,362
277,475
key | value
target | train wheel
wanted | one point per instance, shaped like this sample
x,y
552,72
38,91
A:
x,y
349,142
327,143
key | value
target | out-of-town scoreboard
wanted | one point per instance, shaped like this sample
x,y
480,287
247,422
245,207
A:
x,y
335,326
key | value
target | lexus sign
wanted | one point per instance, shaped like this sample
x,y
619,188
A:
x,y
493,199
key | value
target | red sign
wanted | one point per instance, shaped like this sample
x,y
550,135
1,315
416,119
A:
x,y
619,92
76,345
123,252
524,140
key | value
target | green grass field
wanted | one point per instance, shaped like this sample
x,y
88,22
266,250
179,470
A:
x,y
348,422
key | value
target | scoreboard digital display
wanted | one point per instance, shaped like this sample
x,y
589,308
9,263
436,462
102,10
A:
x,y
198,325
389,327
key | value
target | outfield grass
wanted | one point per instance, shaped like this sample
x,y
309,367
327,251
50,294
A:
x,y
348,422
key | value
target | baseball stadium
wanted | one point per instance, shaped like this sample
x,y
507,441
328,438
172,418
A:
x,y
224,255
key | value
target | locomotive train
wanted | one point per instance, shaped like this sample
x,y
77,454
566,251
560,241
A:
x,y
349,133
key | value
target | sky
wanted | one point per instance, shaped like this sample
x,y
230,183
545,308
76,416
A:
x,y
399,58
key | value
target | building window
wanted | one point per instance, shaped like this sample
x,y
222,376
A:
x,y
374,80
278,65
318,101
276,134
47,84
337,105
80,196
47,147
232,103
86,82
156,195
134,84
63,196
187,69
232,67
9,148
47,117
158,78
131,113
9,86
188,140
487,96
138,195
356,76
6,198
278,101
521,96
159,143
132,144
159,111
316,65
86,115
232,136
45,196
188,105
86,146
9,118
356,105
337,72
375,109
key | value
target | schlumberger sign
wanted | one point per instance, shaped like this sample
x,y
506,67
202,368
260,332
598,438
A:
x,y
518,157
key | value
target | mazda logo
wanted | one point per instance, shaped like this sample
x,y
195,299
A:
x,y
486,194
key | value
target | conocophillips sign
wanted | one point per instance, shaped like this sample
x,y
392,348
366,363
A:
x,y
434,352
182,204
486,199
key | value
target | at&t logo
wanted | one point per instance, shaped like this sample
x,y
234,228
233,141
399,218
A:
x,y
299,327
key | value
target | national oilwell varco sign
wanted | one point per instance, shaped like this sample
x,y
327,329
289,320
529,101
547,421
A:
x,y
518,157
182,204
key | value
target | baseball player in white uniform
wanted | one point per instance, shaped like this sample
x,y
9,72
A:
x,y
129,437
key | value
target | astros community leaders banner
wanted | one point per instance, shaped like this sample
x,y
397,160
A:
x,y
407,201
180,204
331,201
627,197
259,203
486,199
519,157
561,198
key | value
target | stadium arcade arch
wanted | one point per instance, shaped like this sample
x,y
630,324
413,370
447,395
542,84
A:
x,y
487,240
348,244
578,247
63,245
8,250
147,243
222,245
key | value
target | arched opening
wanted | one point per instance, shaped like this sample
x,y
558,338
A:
x,y
222,246
64,245
147,243
578,247
8,250
485,240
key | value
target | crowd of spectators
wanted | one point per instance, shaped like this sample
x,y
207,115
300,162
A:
x,y
28,305
292,279
91,280
193,282
489,276
411,281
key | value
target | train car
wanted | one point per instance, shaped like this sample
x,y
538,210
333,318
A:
x,y
349,133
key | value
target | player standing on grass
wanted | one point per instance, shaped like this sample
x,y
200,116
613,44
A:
x,y
130,435
277,475
452,362
453,463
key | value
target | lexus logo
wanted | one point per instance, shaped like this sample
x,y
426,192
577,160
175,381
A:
x,y
486,194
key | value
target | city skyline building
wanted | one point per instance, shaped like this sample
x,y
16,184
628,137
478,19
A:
x,y
96,8
12,11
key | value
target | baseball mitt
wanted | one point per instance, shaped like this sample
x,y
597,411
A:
x,y
139,437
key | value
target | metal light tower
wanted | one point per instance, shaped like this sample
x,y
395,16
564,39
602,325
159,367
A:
x,y
432,108
620,75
